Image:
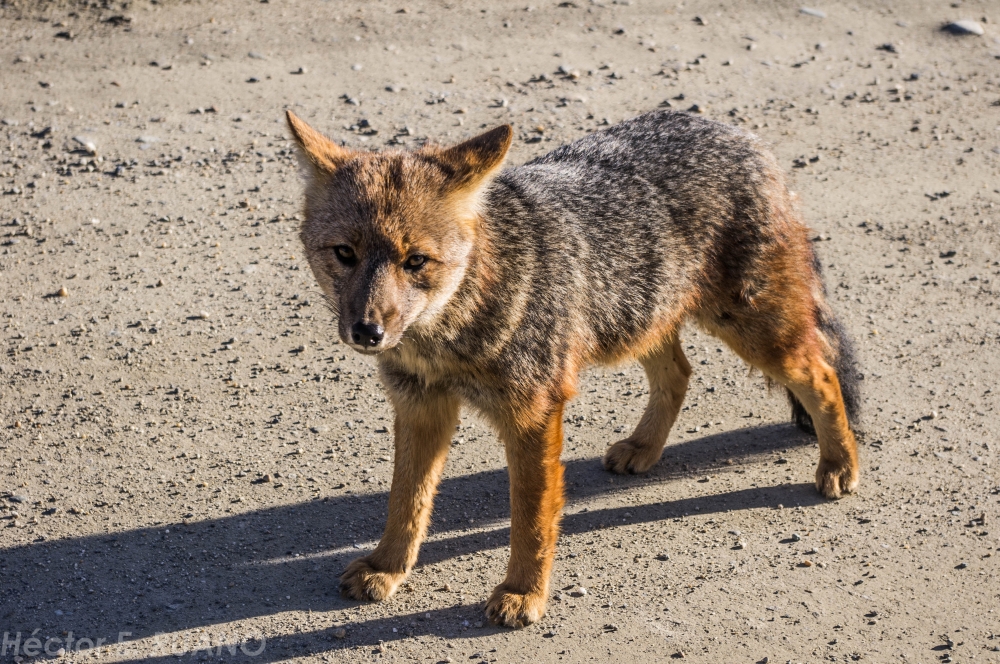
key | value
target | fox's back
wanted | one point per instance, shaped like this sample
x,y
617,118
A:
x,y
631,226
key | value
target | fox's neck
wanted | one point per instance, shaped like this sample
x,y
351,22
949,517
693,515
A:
x,y
438,349
469,298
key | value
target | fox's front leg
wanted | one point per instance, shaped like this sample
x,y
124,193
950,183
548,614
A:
x,y
536,500
424,424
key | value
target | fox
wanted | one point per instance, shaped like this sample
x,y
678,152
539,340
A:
x,y
490,287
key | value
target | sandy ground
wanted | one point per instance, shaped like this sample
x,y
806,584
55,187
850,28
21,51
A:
x,y
190,458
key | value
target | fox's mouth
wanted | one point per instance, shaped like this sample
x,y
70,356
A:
x,y
367,350
385,345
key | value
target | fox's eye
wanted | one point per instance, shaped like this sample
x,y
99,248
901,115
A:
x,y
415,262
345,254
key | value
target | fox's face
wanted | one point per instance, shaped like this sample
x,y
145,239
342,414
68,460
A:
x,y
389,235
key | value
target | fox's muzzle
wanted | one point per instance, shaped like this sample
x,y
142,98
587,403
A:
x,y
367,335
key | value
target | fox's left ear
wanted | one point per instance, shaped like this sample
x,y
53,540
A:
x,y
320,153
476,159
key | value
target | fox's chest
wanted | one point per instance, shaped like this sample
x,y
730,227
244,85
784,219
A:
x,y
406,369
427,368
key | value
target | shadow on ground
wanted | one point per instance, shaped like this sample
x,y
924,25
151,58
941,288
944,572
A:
x,y
211,573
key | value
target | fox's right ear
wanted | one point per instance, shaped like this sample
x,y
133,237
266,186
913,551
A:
x,y
319,152
473,161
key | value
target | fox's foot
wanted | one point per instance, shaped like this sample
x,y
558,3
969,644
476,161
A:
x,y
362,581
631,456
835,479
510,609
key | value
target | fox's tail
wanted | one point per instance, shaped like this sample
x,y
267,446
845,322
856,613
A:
x,y
843,360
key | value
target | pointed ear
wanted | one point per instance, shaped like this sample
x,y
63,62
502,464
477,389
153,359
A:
x,y
477,158
318,150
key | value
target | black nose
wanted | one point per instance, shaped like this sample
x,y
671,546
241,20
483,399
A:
x,y
367,334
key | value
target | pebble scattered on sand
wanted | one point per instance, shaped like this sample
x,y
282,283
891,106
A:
x,y
86,143
964,27
809,11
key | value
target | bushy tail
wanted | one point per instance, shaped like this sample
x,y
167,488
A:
x,y
844,362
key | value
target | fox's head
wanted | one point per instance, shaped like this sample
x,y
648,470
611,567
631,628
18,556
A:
x,y
389,235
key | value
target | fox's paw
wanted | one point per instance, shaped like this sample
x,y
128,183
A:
x,y
835,479
631,456
362,581
510,609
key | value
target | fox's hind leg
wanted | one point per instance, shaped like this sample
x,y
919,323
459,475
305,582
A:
x,y
668,372
785,342
805,372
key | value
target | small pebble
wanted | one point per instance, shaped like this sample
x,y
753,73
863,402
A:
x,y
964,27
816,13
86,144
339,633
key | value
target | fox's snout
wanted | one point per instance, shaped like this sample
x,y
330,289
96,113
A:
x,y
367,335
373,309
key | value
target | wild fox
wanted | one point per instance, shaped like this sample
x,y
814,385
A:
x,y
494,288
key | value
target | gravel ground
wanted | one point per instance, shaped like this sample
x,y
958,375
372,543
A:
x,y
190,458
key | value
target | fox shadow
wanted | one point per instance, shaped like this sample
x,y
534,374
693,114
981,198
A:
x,y
184,576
